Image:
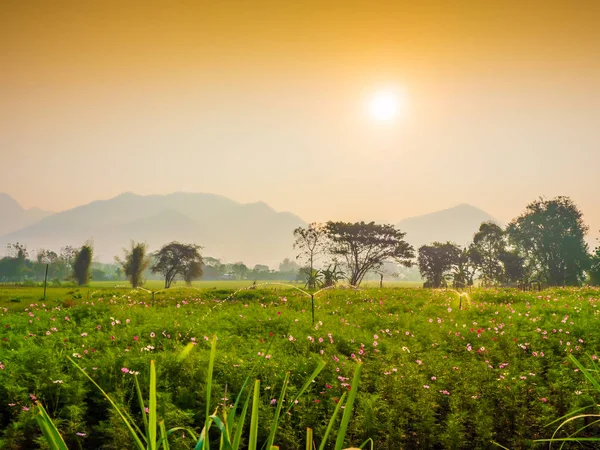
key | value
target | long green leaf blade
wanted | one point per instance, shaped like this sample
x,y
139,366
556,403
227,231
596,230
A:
x,y
237,438
339,443
309,439
275,423
254,417
307,383
142,407
152,408
332,421
49,430
134,435
163,435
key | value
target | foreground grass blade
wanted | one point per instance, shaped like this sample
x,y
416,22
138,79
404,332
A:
x,y
275,423
152,408
254,417
142,407
203,441
163,435
257,365
363,445
309,439
173,430
134,435
49,430
332,421
588,375
308,382
339,442
225,443
237,438
186,351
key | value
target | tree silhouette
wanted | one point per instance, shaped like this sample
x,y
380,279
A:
x,y
178,259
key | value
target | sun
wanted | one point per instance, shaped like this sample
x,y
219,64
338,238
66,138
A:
x,y
384,106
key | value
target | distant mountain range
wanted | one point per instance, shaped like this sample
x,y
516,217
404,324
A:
x,y
253,233
457,224
13,216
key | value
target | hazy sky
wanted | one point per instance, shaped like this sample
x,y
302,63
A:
x,y
267,101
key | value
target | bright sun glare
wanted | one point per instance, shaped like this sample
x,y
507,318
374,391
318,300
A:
x,y
384,106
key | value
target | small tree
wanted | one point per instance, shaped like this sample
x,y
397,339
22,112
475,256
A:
x,y
310,241
332,274
135,263
366,246
178,259
436,261
82,264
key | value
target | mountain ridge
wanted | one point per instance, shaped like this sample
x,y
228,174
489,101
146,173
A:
x,y
234,231
15,217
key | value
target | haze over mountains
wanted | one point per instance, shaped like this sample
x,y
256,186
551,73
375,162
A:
x,y
13,216
253,233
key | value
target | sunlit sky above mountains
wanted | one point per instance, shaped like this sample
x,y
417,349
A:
x,y
499,103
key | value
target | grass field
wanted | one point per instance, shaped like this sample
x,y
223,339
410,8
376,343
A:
x,y
433,376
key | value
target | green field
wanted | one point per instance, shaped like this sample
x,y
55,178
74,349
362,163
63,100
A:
x,y
433,376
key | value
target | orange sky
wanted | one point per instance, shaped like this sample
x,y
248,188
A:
x,y
265,101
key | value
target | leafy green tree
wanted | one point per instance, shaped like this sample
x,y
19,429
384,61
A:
x,y
365,247
260,268
311,242
98,275
239,270
175,259
134,264
488,244
550,235
82,263
436,262
288,266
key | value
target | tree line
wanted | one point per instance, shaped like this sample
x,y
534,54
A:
x,y
544,245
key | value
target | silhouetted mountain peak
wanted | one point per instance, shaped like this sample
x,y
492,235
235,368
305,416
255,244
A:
x,y
457,224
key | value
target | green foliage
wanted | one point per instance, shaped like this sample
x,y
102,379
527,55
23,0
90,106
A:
x,y
366,246
311,243
550,234
135,263
436,262
177,259
488,245
478,394
82,264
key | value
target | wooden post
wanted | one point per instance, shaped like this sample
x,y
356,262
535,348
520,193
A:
x,y
45,281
